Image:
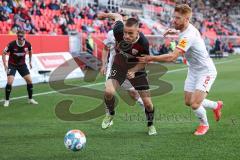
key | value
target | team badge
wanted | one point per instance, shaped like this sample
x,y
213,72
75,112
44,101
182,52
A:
x,y
134,51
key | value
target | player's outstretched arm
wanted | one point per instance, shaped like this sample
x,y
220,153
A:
x,y
170,32
161,58
114,16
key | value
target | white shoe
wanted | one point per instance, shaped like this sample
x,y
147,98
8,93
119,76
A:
x,y
32,101
107,121
6,103
152,130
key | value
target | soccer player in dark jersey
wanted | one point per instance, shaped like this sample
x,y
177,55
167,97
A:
x,y
17,50
130,43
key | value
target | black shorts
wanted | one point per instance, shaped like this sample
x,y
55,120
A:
x,y
22,70
140,82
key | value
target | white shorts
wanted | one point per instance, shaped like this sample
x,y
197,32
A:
x,y
126,84
202,82
109,65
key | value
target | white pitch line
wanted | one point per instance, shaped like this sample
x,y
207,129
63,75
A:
x,y
100,83
51,92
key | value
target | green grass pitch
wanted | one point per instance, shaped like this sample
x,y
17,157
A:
x,y
34,132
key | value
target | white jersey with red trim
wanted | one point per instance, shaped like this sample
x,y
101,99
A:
x,y
191,43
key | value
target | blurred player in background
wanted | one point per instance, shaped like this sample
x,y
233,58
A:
x,y
108,55
201,71
130,43
17,50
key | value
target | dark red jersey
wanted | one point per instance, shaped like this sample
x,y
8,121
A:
x,y
129,50
17,53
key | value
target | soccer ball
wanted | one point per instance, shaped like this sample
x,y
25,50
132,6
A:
x,y
75,140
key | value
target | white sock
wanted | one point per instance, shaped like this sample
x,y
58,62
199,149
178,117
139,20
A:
x,y
202,115
209,104
140,102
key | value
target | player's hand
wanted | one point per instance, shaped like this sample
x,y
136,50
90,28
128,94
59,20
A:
x,y
30,65
170,32
130,74
103,70
101,15
145,59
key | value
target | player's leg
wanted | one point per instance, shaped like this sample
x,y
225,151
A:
x,y
132,92
24,72
187,97
10,78
216,106
196,104
8,90
204,83
194,98
110,89
135,96
140,83
110,86
109,99
149,110
116,76
189,88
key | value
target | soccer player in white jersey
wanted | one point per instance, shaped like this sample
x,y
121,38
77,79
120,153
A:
x,y
107,61
201,71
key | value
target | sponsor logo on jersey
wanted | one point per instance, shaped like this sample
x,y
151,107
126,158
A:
x,y
19,54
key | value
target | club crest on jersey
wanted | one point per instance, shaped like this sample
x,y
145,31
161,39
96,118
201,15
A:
x,y
25,49
183,43
134,51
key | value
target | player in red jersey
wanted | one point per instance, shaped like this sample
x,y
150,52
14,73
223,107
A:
x,y
17,50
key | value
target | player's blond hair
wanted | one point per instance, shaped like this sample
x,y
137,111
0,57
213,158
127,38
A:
x,y
184,9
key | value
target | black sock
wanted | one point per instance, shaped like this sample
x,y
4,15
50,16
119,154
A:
x,y
8,90
110,105
149,116
30,90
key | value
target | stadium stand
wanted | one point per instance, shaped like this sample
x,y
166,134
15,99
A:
x,y
65,17
43,17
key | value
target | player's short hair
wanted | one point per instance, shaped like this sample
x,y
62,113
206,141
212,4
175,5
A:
x,y
132,22
20,31
183,9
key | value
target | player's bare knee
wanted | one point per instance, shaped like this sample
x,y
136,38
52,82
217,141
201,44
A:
x,y
10,79
148,106
133,94
29,81
9,82
109,94
195,105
